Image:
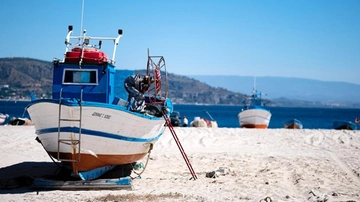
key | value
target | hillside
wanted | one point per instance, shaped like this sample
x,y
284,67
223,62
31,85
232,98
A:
x,y
294,89
24,75
20,76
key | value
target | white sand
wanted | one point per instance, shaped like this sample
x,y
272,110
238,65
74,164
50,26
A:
x,y
285,165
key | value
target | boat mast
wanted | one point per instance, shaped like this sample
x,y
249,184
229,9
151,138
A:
x,y
254,83
82,17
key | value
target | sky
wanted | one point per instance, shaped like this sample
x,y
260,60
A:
x,y
315,39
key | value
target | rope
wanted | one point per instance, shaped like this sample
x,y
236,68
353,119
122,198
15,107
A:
x,y
147,160
60,167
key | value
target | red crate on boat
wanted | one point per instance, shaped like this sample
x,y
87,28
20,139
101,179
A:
x,y
91,55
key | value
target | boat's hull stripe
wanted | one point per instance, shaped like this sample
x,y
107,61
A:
x,y
96,133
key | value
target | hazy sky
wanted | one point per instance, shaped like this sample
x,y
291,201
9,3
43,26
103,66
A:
x,y
316,39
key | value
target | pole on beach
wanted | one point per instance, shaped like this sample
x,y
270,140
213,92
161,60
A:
x,y
171,128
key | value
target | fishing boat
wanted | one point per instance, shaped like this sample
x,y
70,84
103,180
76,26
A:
x,y
293,124
344,125
3,118
85,126
253,115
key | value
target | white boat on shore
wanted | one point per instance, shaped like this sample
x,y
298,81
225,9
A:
x,y
253,115
85,126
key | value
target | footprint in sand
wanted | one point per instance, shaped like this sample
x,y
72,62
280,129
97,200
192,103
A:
x,y
342,138
202,142
314,139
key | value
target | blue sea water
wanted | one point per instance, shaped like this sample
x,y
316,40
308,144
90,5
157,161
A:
x,y
311,118
226,116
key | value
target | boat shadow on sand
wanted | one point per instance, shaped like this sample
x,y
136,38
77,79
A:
x,y
19,178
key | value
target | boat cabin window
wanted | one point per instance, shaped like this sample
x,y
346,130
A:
x,y
83,76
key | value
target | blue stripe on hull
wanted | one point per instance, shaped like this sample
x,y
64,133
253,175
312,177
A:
x,y
97,133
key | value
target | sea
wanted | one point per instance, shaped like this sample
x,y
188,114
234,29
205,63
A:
x,y
226,116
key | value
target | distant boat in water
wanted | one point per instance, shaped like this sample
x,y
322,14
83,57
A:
x,y
254,115
293,124
344,125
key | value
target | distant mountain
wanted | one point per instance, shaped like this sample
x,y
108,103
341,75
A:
x,y
25,75
290,88
20,76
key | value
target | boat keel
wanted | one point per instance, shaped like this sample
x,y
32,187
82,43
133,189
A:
x,y
95,173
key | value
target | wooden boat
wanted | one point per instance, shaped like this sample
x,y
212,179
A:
x,y
293,124
85,126
3,118
344,125
254,115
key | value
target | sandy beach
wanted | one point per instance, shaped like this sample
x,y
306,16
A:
x,y
250,165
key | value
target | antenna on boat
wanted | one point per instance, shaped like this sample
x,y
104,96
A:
x,y
254,82
67,39
254,91
85,42
82,16
116,42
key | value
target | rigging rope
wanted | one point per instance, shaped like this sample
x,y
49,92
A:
x,y
147,160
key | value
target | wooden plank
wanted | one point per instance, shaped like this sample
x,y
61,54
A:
x,y
119,183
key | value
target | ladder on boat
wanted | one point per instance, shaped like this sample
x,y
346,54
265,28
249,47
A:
x,y
73,141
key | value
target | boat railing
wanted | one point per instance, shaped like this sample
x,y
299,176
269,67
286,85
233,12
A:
x,y
256,98
84,42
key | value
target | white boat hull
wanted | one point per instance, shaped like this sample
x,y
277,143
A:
x,y
254,118
3,117
2,120
109,136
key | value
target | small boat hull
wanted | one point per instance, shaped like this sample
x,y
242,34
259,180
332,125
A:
x,y
97,161
293,124
344,125
254,118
